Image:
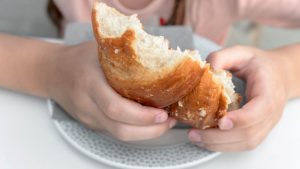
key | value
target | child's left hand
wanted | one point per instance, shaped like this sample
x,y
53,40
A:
x,y
247,127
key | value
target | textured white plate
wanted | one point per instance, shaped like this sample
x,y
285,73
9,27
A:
x,y
171,151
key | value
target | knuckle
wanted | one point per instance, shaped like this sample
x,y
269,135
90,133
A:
x,y
112,110
270,104
121,133
82,103
247,120
251,145
239,48
248,133
80,81
252,137
85,114
244,120
83,80
206,138
215,55
85,119
209,147
160,131
157,132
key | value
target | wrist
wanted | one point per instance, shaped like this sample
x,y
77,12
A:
x,y
286,68
47,68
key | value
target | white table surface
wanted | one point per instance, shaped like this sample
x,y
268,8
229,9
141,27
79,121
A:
x,y
29,140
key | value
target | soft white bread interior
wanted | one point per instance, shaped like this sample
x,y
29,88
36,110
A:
x,y
153,51
141,67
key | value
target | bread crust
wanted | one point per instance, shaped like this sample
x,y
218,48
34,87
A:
x,y
204,105
132,80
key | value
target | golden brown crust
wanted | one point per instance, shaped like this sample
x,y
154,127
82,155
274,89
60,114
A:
x,y
130,79
203,106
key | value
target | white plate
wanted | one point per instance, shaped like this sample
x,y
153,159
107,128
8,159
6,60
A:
x,y
171,151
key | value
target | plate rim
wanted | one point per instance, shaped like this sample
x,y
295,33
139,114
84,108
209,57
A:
x,y
116,164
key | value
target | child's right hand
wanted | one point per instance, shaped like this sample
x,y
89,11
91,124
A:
x,y
76,81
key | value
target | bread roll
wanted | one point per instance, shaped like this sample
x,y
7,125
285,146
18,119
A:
x,y
141,67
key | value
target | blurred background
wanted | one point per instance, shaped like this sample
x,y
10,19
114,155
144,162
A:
x,y
26,17
29,17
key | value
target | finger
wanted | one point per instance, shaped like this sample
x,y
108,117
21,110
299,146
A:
x,y
217,136
248,143
86,111
123,110
95,119
251,113
234,140
231,58
231,147
127,132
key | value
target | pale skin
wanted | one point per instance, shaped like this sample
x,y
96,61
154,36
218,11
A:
x,y
272,78
72,76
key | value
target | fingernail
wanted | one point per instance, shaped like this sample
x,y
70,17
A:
x,y
195,137
225,124
172,123
161,117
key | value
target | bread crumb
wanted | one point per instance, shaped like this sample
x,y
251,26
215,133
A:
x,y
189,115
180,104
117,51
205,127
149,95
202,112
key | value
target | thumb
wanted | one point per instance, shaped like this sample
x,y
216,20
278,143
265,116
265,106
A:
x,y
232,58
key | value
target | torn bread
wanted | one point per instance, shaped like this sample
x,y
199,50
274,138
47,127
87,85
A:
x,y
141,67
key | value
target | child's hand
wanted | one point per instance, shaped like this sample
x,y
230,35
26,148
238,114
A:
x,y
245,128
77,83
